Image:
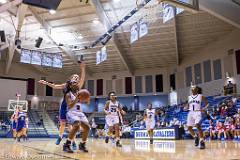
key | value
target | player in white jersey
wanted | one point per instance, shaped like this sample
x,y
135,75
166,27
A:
x,y
76,117
150,121
195,115
113,110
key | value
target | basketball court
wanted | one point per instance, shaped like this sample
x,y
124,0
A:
x,y
131,150
137,53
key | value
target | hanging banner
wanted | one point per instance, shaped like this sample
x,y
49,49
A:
x,y
168,12
180,10
98,57
104,54
134,33
101,55
143,28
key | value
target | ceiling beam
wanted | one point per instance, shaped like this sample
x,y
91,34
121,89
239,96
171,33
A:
x,y
47,28
213,10
22,10
107,24
9,5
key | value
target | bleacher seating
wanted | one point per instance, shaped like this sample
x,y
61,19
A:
x,y
35,130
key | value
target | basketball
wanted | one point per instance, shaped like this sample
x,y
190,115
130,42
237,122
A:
x,y
84,95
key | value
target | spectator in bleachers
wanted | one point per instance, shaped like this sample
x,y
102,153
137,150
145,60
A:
x,y
158,125
221,131
228,127
174,122
223,111
237,115
212,130
230,88
163,124
237,128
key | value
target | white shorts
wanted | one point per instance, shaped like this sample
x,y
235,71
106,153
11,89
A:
x,y
73,116
112,120
194,117
150,124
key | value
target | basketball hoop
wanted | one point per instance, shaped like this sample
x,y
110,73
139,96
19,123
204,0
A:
x,y
151,11
14,104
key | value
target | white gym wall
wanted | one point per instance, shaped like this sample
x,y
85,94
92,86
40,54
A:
x,y
9,88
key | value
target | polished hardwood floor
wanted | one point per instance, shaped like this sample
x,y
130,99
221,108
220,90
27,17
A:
x,y
131,150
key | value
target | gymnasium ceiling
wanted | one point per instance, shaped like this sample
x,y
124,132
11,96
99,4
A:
x,y
79,24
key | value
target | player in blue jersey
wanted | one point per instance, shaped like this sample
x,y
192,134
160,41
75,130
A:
x,y
63,108
21,124
14,124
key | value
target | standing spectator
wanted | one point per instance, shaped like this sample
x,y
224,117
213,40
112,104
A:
x,y
230,88
142,126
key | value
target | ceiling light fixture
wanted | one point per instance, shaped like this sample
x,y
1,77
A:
x,y
116,1
80,36
52,11
3,1
96,21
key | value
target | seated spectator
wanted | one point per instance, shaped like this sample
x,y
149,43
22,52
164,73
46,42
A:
x,y
237,128
174,122
228,127
237,115
163,124
212,130
221,131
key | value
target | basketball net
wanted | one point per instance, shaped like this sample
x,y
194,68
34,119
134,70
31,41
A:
x,y
152,11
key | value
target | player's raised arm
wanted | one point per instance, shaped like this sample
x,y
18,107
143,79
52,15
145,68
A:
x,y
52,85
83,75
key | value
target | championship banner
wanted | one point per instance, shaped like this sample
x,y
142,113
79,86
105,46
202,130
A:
x,y
134,33
168,12
165,133
143,28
